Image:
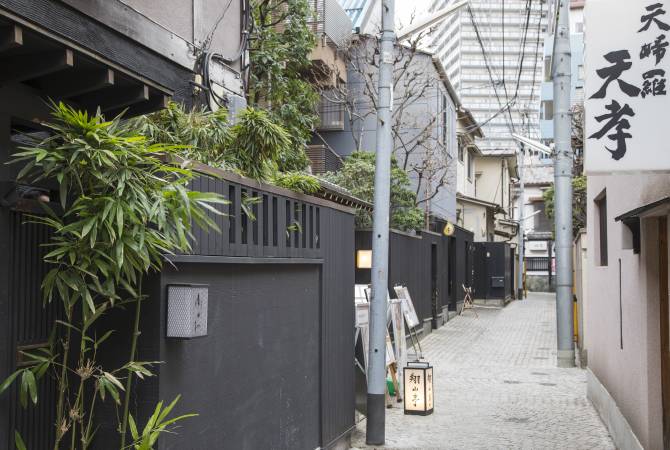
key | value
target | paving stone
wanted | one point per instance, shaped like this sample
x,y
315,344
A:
x,y
497,387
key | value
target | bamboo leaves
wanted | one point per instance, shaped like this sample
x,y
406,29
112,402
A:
x,y
123,209
157,424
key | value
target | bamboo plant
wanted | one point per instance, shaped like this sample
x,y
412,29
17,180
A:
x,y
124,208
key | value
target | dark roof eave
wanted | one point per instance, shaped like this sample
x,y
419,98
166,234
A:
x,y
650,209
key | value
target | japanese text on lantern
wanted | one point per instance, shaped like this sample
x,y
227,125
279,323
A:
x,y
416,390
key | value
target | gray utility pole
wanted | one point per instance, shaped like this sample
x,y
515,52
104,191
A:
x,y
563,187
376,419
521,228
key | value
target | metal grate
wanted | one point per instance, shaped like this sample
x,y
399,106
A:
x,y
187,311
537,264
331,20
331,111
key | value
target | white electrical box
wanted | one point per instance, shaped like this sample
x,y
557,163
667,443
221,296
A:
x,y
187,311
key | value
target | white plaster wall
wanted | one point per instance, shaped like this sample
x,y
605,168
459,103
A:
x,y
466,186
630,374
474,219
461,177
490,187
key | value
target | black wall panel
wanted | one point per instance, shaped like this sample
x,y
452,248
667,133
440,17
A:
x,y
462,241
337,318
493,270
254,379
410,264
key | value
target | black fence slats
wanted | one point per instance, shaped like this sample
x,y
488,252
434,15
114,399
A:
x,y
257,223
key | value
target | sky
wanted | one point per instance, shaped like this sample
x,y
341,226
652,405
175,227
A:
x,y
405,8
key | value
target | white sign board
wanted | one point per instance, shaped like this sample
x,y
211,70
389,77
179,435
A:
x,y
407,306
536,245
626,100
362,314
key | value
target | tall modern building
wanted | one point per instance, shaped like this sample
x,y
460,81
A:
x,y
492,52
577,50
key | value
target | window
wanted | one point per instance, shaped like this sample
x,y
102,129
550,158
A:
x,y
331,111
461,152
541,222
547,68
580,71
579,27
471,166
601,213
547,112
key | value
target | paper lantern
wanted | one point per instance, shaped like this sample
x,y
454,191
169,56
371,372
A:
x,y
364,259
418,388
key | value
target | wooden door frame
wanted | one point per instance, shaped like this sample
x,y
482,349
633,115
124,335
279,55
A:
x,y
664,317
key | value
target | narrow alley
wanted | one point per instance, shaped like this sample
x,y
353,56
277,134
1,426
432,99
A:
x,y
497,386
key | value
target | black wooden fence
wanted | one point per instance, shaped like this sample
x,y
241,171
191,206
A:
x,y
29,325
433,267
281,276
493,271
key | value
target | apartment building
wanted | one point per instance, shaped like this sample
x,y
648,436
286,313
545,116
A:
x,y
482,48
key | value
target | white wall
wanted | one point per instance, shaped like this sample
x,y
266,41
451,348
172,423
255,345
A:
x,y
466,186
630,374
473,218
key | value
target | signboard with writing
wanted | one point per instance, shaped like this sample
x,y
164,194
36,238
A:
x,y
626,99
407,306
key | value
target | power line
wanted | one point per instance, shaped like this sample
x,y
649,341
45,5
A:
x,y
537,51
522,50
504,81
510,124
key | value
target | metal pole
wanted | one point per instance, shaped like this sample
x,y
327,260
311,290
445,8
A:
x,y
563,186
375,433
521,219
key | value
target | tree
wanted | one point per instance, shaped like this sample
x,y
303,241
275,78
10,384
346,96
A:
x,y
357,175
578,203
251,147
280,44
578,137
421,138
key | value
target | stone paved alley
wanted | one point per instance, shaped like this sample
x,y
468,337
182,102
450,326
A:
x,y
497,387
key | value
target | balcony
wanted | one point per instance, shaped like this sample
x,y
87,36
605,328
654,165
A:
x,y
332,27
330,21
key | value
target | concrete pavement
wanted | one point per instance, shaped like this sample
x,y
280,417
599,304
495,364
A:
x,y
497,387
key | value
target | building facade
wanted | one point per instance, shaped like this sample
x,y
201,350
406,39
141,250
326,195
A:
x,y
538,167
482,51
625,312
425,137
135,56
547,86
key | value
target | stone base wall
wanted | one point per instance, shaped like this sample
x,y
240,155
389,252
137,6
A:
x,y
540,283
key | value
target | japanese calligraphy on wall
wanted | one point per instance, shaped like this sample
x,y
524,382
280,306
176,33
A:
x,y
626,100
